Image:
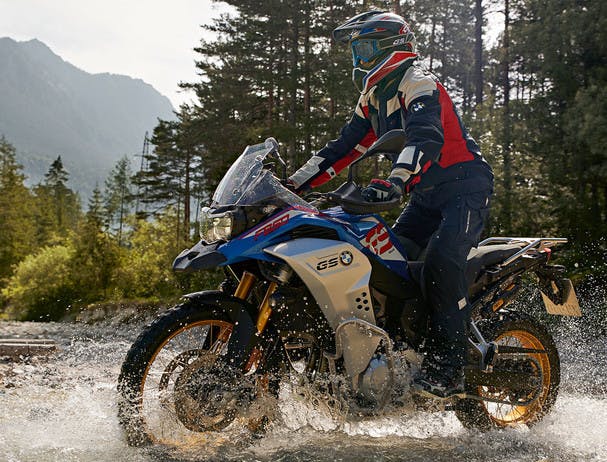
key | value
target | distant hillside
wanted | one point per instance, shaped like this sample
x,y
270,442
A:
x,y
48,107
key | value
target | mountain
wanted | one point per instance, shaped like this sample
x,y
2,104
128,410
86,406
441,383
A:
x,y
49,107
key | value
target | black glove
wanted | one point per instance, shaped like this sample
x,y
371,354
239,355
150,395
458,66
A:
x,y
381,191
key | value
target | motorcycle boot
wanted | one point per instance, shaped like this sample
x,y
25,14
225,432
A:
x,y
439,381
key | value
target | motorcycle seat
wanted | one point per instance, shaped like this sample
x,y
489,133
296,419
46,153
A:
x,y
479,259
484,257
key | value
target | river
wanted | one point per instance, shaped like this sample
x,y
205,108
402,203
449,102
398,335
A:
x,y
64,409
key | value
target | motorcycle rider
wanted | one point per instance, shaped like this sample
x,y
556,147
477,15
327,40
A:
x,y
441,167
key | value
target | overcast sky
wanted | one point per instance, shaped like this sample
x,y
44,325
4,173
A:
x,y
148,39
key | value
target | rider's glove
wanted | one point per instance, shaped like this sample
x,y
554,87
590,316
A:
x,y
381,190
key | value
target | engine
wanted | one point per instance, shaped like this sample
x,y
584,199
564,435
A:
x,y
375,383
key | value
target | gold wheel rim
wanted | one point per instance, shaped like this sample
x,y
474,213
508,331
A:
x,y
505,415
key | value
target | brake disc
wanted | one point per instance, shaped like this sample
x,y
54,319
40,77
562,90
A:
x,y
205,397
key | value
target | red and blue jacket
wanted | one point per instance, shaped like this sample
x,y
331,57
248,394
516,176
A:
x,y
438,149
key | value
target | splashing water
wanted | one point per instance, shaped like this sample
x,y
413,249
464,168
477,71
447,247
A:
x,y
64,409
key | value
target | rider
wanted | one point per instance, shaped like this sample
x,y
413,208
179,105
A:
x,y
441,167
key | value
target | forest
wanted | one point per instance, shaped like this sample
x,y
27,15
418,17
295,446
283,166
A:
x,y
529,78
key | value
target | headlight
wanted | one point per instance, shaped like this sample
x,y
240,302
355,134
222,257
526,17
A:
x,y
215,226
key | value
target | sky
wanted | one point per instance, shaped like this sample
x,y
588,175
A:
x,y
152,40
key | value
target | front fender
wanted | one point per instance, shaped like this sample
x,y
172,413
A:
x,y
200,257
241,314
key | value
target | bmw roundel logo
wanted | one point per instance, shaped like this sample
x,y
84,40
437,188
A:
x,y
346,257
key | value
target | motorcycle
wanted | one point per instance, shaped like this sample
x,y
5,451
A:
x,y
329,298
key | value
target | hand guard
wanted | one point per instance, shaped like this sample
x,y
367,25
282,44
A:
x,y
381,190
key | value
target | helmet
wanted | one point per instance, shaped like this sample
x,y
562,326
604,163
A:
x,y
381,43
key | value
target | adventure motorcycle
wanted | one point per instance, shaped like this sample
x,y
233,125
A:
x,y
331,299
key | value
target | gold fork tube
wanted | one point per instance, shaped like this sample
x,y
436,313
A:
x,y
245,285
264,309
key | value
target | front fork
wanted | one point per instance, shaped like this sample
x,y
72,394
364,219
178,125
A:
x,y
245,286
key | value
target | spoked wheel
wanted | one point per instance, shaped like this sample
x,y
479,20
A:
x,y
172,384
525,405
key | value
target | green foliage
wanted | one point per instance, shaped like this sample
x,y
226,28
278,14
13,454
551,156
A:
x,y
96,256
42,288
80,262
145,270
95,214
57,208
118,197
174,173
92,267
16,212
558,114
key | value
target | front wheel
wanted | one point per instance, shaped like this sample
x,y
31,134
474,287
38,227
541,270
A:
x,y
172,383
524,406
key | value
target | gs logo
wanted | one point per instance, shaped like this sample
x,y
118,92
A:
x,y
326,264
345,258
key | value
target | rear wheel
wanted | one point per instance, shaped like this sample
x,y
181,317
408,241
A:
x,y
172,383
527,406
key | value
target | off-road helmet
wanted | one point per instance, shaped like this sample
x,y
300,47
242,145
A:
x,y
381,42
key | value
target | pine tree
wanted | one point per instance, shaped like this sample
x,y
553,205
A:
x,y
273,72
96,210
175,169
57,206
158,181
446,35
16,211
98,254
118,197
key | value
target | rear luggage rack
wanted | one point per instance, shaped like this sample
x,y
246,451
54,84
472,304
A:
x,y
529,243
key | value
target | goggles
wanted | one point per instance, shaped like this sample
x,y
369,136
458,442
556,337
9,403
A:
x,y
364,50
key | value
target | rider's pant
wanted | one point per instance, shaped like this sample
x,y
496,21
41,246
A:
x,y
447,220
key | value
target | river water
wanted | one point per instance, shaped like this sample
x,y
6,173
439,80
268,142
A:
x,y
64,409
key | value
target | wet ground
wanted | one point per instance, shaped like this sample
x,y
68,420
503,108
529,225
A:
x,y
64,409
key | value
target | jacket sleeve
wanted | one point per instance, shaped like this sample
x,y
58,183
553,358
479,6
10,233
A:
x,y
423,127
354,140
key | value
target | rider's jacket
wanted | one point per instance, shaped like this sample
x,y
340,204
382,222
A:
x,y
438,148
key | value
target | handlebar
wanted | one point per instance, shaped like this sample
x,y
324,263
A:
x,y
349,197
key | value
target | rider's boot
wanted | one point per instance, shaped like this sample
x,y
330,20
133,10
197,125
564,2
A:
x,y
439,381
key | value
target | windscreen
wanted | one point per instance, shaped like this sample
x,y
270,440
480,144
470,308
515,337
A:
x,y
241,174
248,183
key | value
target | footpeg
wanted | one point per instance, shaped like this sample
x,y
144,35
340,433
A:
x,y
489,357
487,350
